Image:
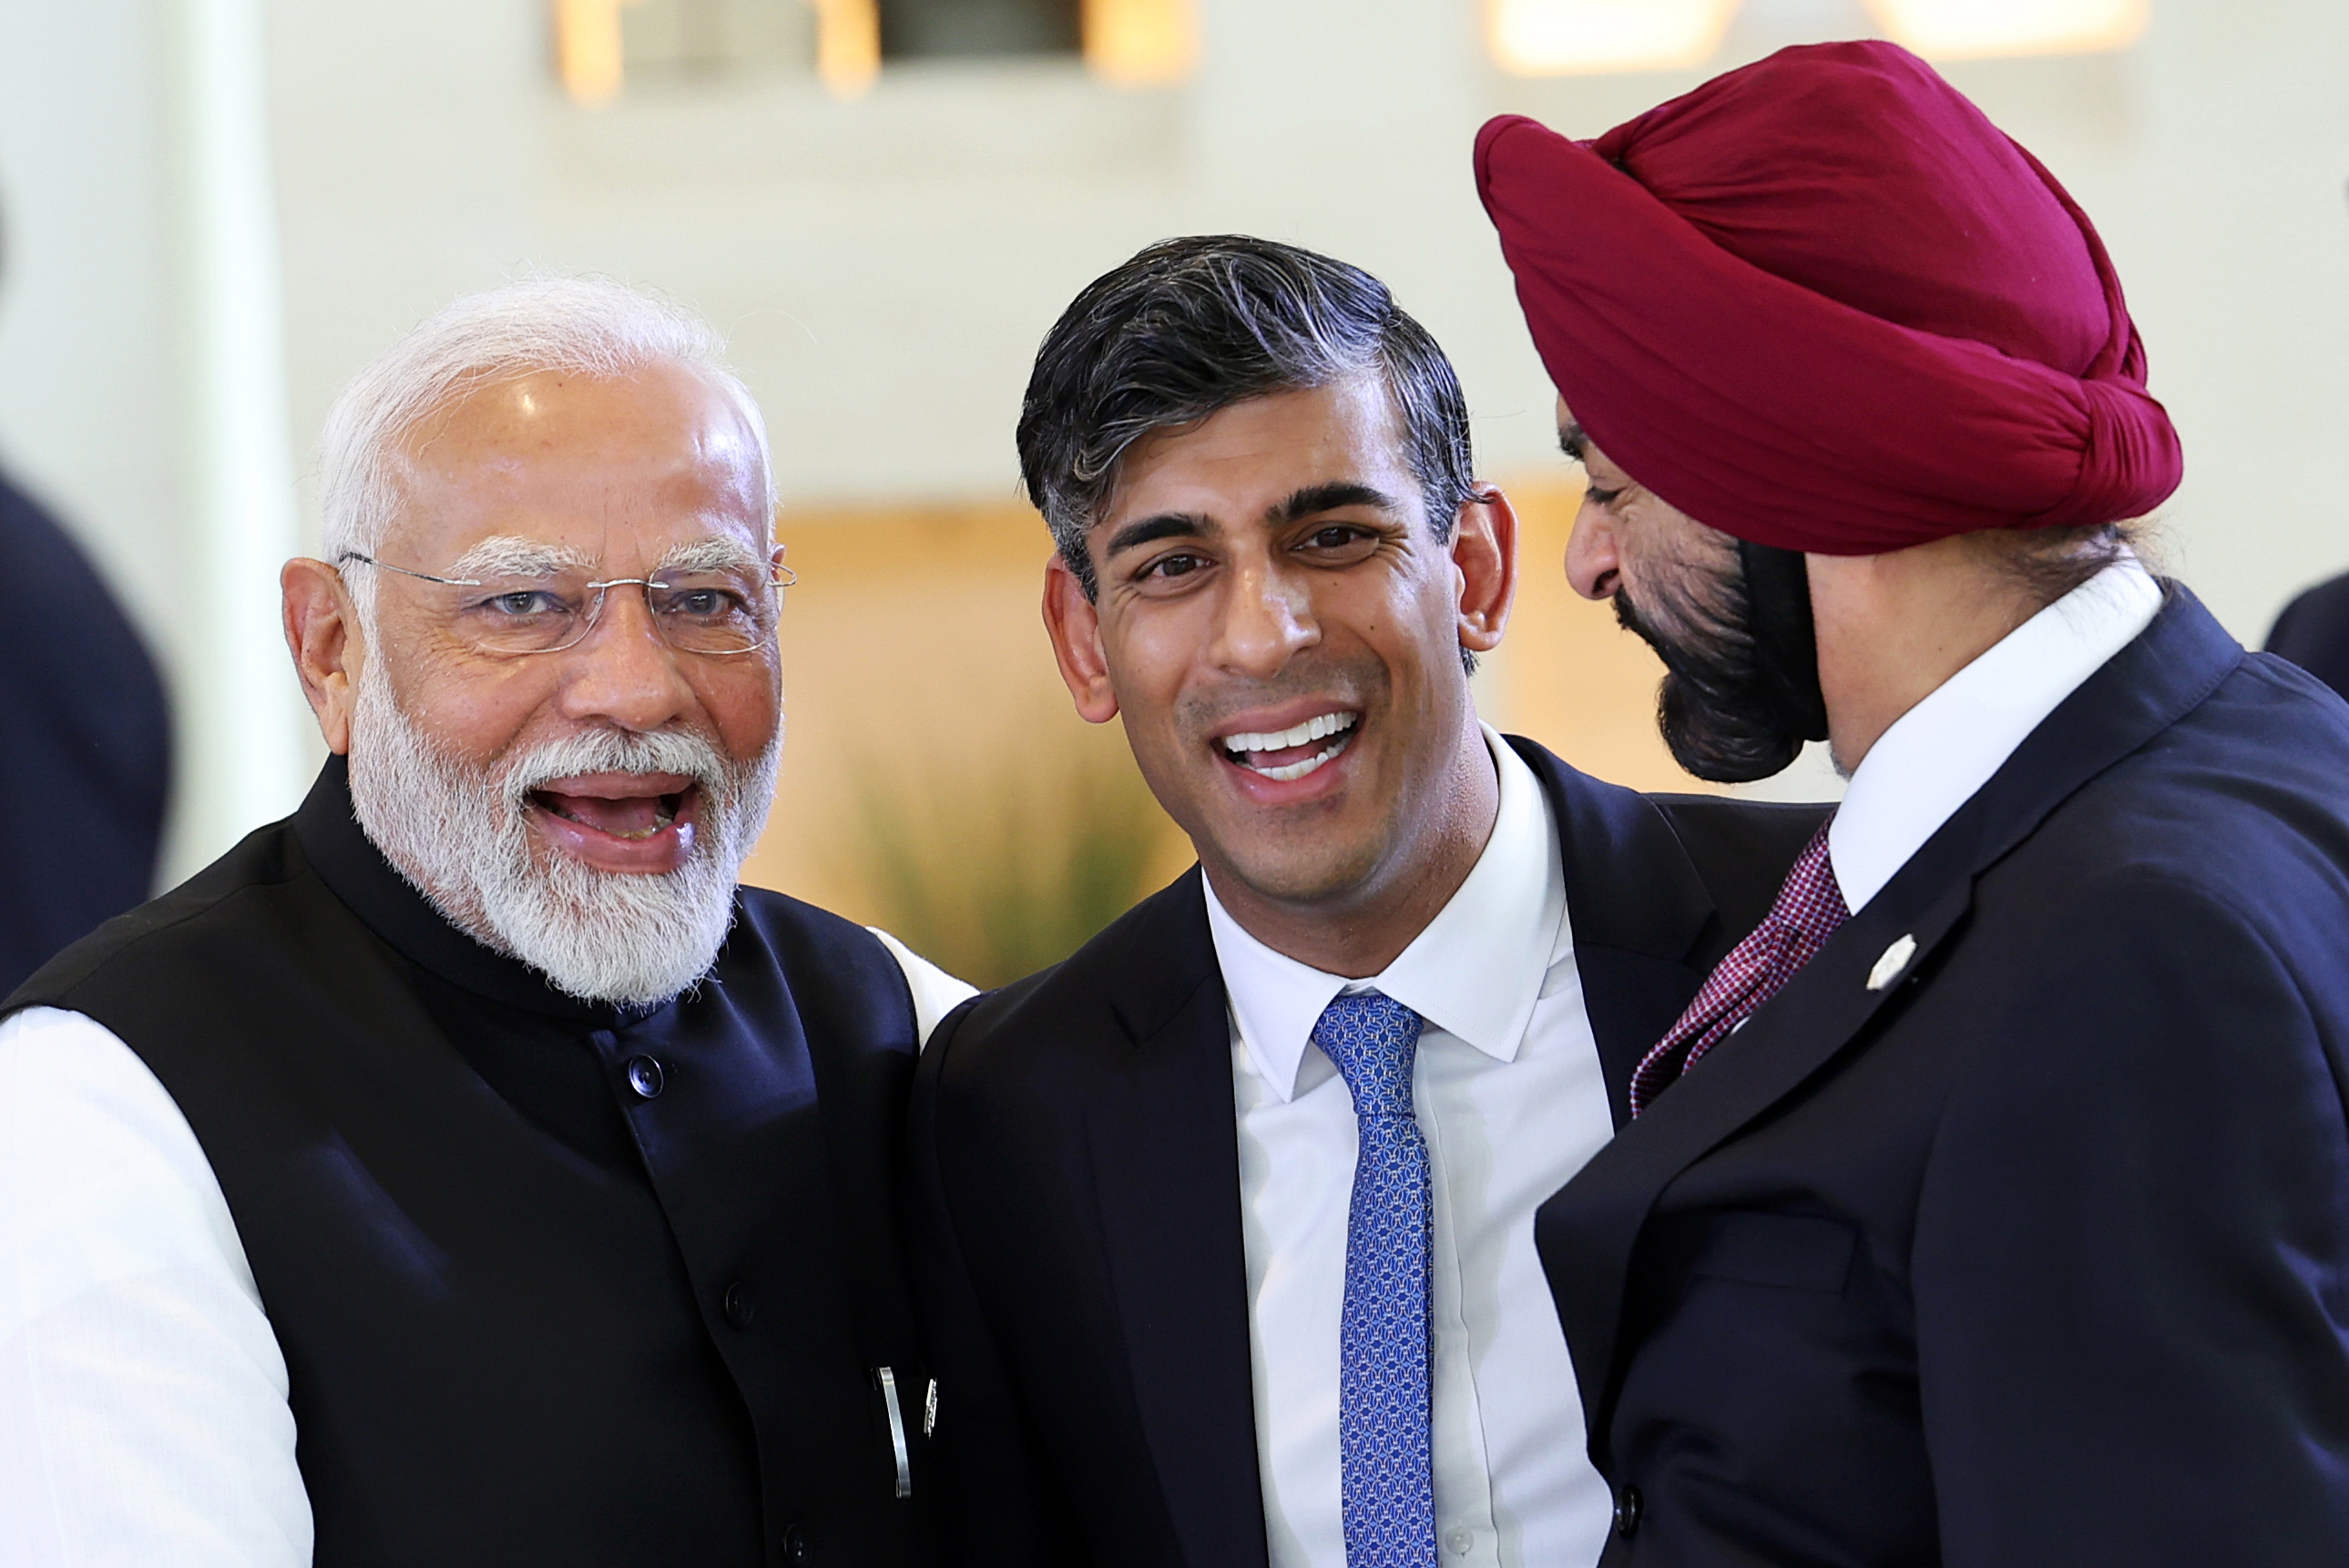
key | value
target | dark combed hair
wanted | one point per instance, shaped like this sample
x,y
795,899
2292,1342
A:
x,y
1193,325
2048,563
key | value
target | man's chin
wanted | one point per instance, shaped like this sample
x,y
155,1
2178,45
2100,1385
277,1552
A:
x,y
1722,746
615,938
1716,721
1301,869
634,933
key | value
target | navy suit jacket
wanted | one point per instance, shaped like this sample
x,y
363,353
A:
x,y
2312,632
2038,1254
85,745
1076,1236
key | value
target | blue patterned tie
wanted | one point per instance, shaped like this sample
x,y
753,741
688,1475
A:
x,y
1382,1401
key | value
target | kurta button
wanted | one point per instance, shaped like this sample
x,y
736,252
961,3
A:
x,y
736,1304
1628,1504
795,1546
644,1077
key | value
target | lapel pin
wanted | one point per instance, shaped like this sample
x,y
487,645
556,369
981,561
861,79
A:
x,y
1888,967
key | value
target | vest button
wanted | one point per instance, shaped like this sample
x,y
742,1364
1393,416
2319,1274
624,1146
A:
x,y
1628,1507
644,1077
795,1546
736,1305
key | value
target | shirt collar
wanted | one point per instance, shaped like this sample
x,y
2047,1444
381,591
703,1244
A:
x,y
1475,971
1935,755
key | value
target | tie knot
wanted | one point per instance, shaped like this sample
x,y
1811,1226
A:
x,y
1372,1039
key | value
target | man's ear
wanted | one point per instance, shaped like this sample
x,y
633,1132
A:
x,y
322,633
1484,563
1074,623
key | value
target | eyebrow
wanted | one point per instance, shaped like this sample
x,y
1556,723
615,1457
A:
x,y
1162,525
1329,497
718,553
506,555
1572,442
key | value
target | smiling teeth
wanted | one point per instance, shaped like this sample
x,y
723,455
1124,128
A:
x,y
664,816
1305,734
1299,770
1336,728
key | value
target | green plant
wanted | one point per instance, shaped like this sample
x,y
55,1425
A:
x,y
1005,863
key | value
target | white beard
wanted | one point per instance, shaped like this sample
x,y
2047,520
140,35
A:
x,y
462,838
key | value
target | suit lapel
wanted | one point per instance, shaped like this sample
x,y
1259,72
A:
x,y
1166,1149
1587,1231
1640,912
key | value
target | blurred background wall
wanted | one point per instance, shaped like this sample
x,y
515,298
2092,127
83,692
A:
x,y
218,209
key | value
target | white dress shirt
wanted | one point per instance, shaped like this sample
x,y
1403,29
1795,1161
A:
x,y
1937,755
1509,1095
143,1414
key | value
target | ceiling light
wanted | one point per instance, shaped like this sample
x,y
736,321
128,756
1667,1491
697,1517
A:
x,y
1141,43
587,49
1558,37
847,45
1969,29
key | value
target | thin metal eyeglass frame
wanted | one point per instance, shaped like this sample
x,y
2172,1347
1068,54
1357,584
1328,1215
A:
x,y
782,577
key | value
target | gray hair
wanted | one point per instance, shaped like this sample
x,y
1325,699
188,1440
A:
x,y
586,327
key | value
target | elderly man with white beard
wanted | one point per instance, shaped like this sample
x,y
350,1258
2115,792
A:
x,y
465,1170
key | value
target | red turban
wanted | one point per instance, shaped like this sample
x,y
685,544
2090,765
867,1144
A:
x,y
1822,302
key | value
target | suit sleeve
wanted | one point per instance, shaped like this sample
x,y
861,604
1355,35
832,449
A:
x,y
2132,1259
1001,1508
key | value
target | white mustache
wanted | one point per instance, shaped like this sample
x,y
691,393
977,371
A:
x,y
617,751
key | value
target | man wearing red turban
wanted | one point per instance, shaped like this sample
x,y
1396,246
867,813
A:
x,y
1990,1205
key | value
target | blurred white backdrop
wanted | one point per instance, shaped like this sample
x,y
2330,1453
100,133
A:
x,y
886,264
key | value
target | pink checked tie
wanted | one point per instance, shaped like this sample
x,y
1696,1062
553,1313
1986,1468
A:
x,y
1808,909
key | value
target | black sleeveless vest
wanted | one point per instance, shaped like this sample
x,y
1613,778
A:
x,y
555,1284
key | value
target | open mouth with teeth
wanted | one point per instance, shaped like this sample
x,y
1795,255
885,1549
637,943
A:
x,y
630,818
620,821
1292,753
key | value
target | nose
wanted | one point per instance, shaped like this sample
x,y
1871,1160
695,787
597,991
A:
x,y
1268,619
622,673
1594,562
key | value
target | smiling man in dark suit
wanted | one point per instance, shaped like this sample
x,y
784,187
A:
x,y
1990,1206
1224,1232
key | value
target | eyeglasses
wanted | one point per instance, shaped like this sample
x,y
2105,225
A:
x,y
721,612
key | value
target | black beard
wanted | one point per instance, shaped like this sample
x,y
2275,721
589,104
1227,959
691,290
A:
x,y
1722,706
